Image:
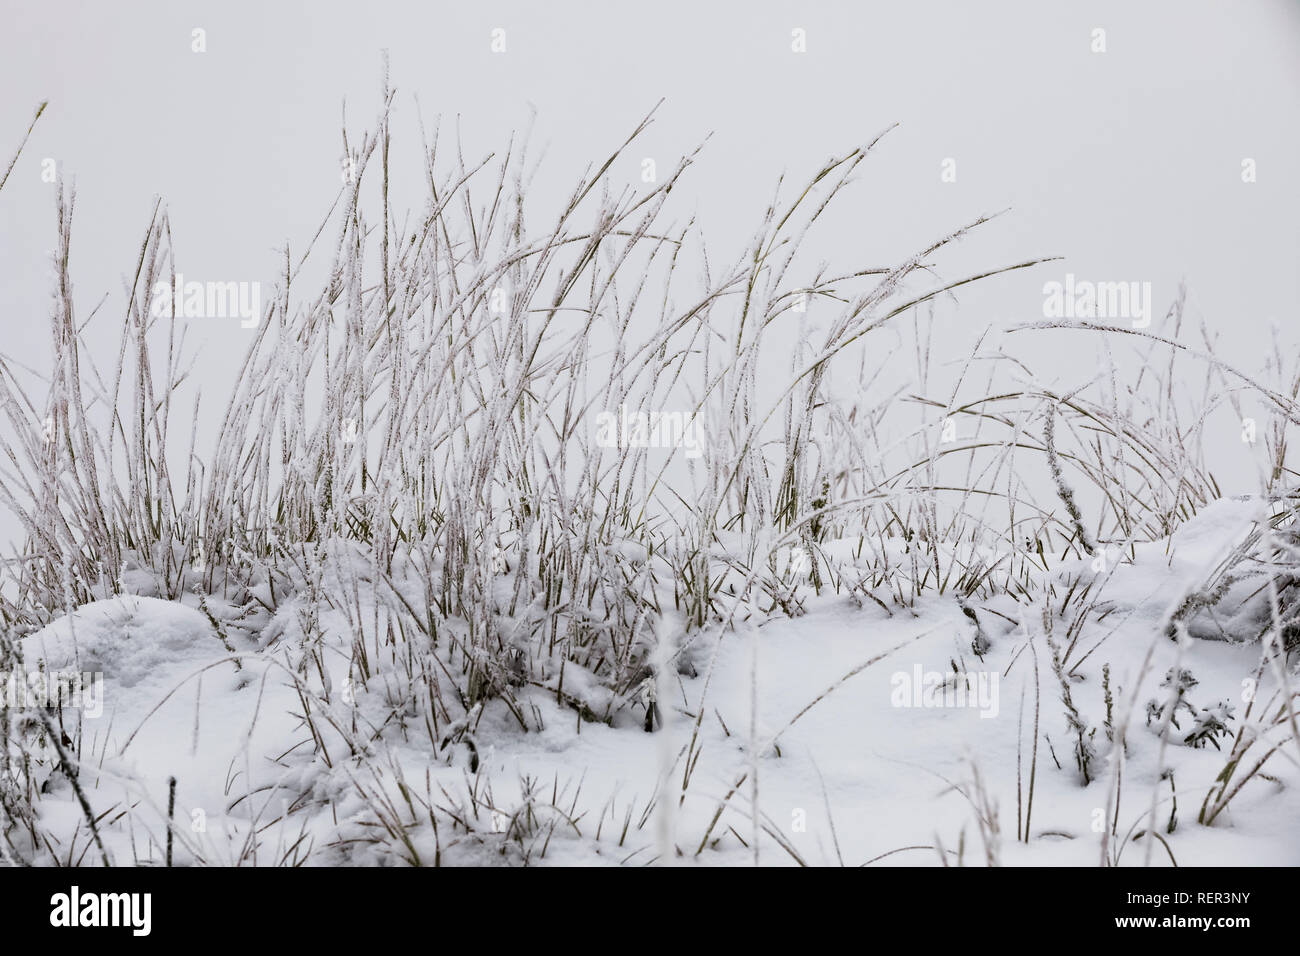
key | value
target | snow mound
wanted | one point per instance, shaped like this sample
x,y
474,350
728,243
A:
x,y
1211,533
126,638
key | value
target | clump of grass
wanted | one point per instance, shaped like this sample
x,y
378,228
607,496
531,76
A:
x,y
413,446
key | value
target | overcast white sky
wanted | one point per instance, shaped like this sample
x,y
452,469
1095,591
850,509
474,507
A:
x,y
1128,162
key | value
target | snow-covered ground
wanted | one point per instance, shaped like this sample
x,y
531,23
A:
x,y
546,530
855,762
